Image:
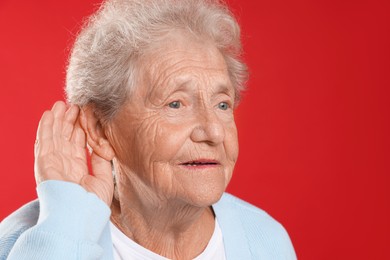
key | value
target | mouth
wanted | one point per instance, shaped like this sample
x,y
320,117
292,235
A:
x,y
201,163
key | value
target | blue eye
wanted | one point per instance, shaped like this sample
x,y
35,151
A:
x,y
175,104
223,106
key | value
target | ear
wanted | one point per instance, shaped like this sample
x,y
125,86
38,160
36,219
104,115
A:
x,y
96,138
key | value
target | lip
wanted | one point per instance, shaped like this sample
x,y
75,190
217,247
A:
x,y
200,164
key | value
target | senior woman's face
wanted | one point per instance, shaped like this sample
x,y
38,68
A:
x,y
176,135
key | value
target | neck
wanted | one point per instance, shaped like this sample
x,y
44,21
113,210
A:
x,y
165,226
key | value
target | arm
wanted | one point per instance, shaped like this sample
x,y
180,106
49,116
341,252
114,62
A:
x,y
72,224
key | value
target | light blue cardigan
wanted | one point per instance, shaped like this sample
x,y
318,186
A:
x,y
71,223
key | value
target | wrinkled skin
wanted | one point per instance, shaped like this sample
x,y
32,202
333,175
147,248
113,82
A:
x,y
151,139
174,146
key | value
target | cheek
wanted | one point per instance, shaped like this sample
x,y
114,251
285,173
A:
x,y
135,140
231,150
158,140
158,149
231,142
169,139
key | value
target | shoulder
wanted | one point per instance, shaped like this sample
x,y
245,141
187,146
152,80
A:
x,y
231,201
251,214
20,220
261,231
16,224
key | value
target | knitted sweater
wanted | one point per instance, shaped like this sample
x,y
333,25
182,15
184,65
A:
x,y
67,222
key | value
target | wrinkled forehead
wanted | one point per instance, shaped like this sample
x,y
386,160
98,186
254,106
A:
x,y
182,59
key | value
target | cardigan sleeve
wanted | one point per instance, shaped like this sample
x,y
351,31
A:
x,y
72,224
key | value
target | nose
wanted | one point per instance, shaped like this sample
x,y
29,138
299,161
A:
x,y
208,128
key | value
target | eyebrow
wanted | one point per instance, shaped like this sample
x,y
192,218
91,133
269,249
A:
x,y
220,88
183,84
223,88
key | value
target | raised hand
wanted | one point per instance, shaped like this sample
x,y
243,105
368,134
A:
x,y
60,153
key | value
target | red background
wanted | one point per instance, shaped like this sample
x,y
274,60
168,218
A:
x,y
314,124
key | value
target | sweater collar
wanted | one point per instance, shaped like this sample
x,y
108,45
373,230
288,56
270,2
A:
x,y
233,232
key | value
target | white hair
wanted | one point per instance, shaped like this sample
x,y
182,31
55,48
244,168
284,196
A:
x,y
102,68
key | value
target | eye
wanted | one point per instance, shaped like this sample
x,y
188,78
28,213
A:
x,y
223,106
175,104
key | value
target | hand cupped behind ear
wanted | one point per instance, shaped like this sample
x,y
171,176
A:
x,y
60,150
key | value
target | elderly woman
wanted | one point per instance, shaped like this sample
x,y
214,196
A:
x,y
152,86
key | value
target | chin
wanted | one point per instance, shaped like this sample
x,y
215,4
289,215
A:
x,y
204,196
202,187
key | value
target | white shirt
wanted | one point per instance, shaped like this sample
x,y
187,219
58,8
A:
x,y
127,249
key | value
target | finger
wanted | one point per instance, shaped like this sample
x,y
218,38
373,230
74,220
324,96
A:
x,y
69,121
78,136
58,110
101,168
45,129
101,182
80,151
102,172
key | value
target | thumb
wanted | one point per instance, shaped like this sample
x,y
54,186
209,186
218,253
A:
x,y
101,182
